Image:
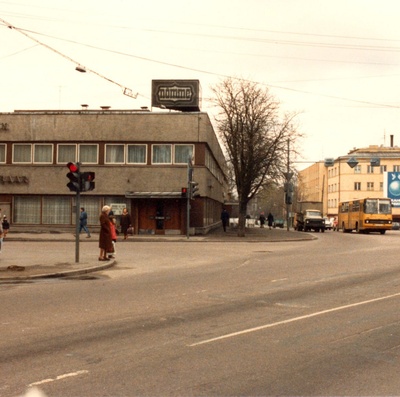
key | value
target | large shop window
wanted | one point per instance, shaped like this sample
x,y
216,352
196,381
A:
x,y
56,210
27,210
161,154
137,154
115,154
183,153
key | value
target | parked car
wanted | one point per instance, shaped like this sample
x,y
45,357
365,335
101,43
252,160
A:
x,y
396,226
279,223
328,224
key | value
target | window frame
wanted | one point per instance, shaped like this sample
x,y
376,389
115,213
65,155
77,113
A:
x,y
14,145
35,145
127,153
170,153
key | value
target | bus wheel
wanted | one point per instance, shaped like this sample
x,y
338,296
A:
x,y
382,231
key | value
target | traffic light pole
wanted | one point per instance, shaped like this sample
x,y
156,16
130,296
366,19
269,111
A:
x,y
189,177
77,216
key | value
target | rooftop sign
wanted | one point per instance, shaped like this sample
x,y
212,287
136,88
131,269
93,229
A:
x,y
184,95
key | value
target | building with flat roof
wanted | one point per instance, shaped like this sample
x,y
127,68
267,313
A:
x,y
140,161
360,174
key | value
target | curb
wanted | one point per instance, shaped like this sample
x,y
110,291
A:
x,y
61,274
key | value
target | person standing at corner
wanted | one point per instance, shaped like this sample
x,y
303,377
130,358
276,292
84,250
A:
x,y
125,222
83,222
225,218
270,219
6,226
105,237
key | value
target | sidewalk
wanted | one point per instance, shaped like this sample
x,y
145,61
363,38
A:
x,y
29,256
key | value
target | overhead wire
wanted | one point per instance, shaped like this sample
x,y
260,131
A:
x,y
129,92
79,67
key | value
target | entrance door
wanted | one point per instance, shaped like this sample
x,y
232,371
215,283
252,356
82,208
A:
x,y
159,216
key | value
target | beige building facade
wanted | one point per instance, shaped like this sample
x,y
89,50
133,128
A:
x,y
341,182
140,160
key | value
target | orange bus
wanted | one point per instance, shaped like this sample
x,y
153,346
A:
x,y
365,215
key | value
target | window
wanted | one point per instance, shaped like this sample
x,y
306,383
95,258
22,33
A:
x,y
183,153
370,185
2,153
22,153
27,209
370,169
357,185
396,168
357,169
137,154
383,168
88,154
56,210
115,154
161,154
66,153
381,186
43,153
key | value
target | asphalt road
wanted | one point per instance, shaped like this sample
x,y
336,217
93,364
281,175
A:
x,y
212,319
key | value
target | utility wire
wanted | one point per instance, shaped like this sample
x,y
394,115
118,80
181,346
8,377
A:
x,y
79,67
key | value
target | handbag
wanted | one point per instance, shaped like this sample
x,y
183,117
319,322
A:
x,y
129,230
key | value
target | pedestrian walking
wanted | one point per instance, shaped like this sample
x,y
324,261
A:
x,y
1,236
225,218
105,238
125,222
262,219
6,226
270,219
83,222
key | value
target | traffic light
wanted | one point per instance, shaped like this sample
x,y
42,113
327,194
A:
x,y
184,192
74,176
288,198
194,189
87,183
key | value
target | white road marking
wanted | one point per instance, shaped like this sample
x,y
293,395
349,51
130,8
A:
x,y
59,377
291,320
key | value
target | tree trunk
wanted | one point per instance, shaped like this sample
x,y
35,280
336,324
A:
x,y
242,219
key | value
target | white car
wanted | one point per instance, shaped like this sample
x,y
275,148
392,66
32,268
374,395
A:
x,y
328,224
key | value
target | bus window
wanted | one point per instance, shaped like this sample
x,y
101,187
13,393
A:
x,y
371,207
384,207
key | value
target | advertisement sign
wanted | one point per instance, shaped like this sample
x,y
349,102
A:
x,y
391,187
184,95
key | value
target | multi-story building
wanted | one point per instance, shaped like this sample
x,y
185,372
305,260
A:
x,y
140,160
345,180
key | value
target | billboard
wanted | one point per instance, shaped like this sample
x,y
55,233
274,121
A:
x,y
183,95
391,187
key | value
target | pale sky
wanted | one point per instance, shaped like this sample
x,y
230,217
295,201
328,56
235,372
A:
x,y
334,62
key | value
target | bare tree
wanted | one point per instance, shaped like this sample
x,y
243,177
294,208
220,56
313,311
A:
x,y
255,137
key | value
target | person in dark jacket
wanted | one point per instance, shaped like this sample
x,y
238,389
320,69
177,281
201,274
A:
x,y
83,222
270,219
125,222
105,238
262,219
6,226
225,218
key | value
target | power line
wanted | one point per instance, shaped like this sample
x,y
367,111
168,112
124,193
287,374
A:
x,y
79,67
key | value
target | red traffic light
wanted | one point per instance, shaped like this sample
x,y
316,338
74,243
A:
x,y
73,167
184,192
